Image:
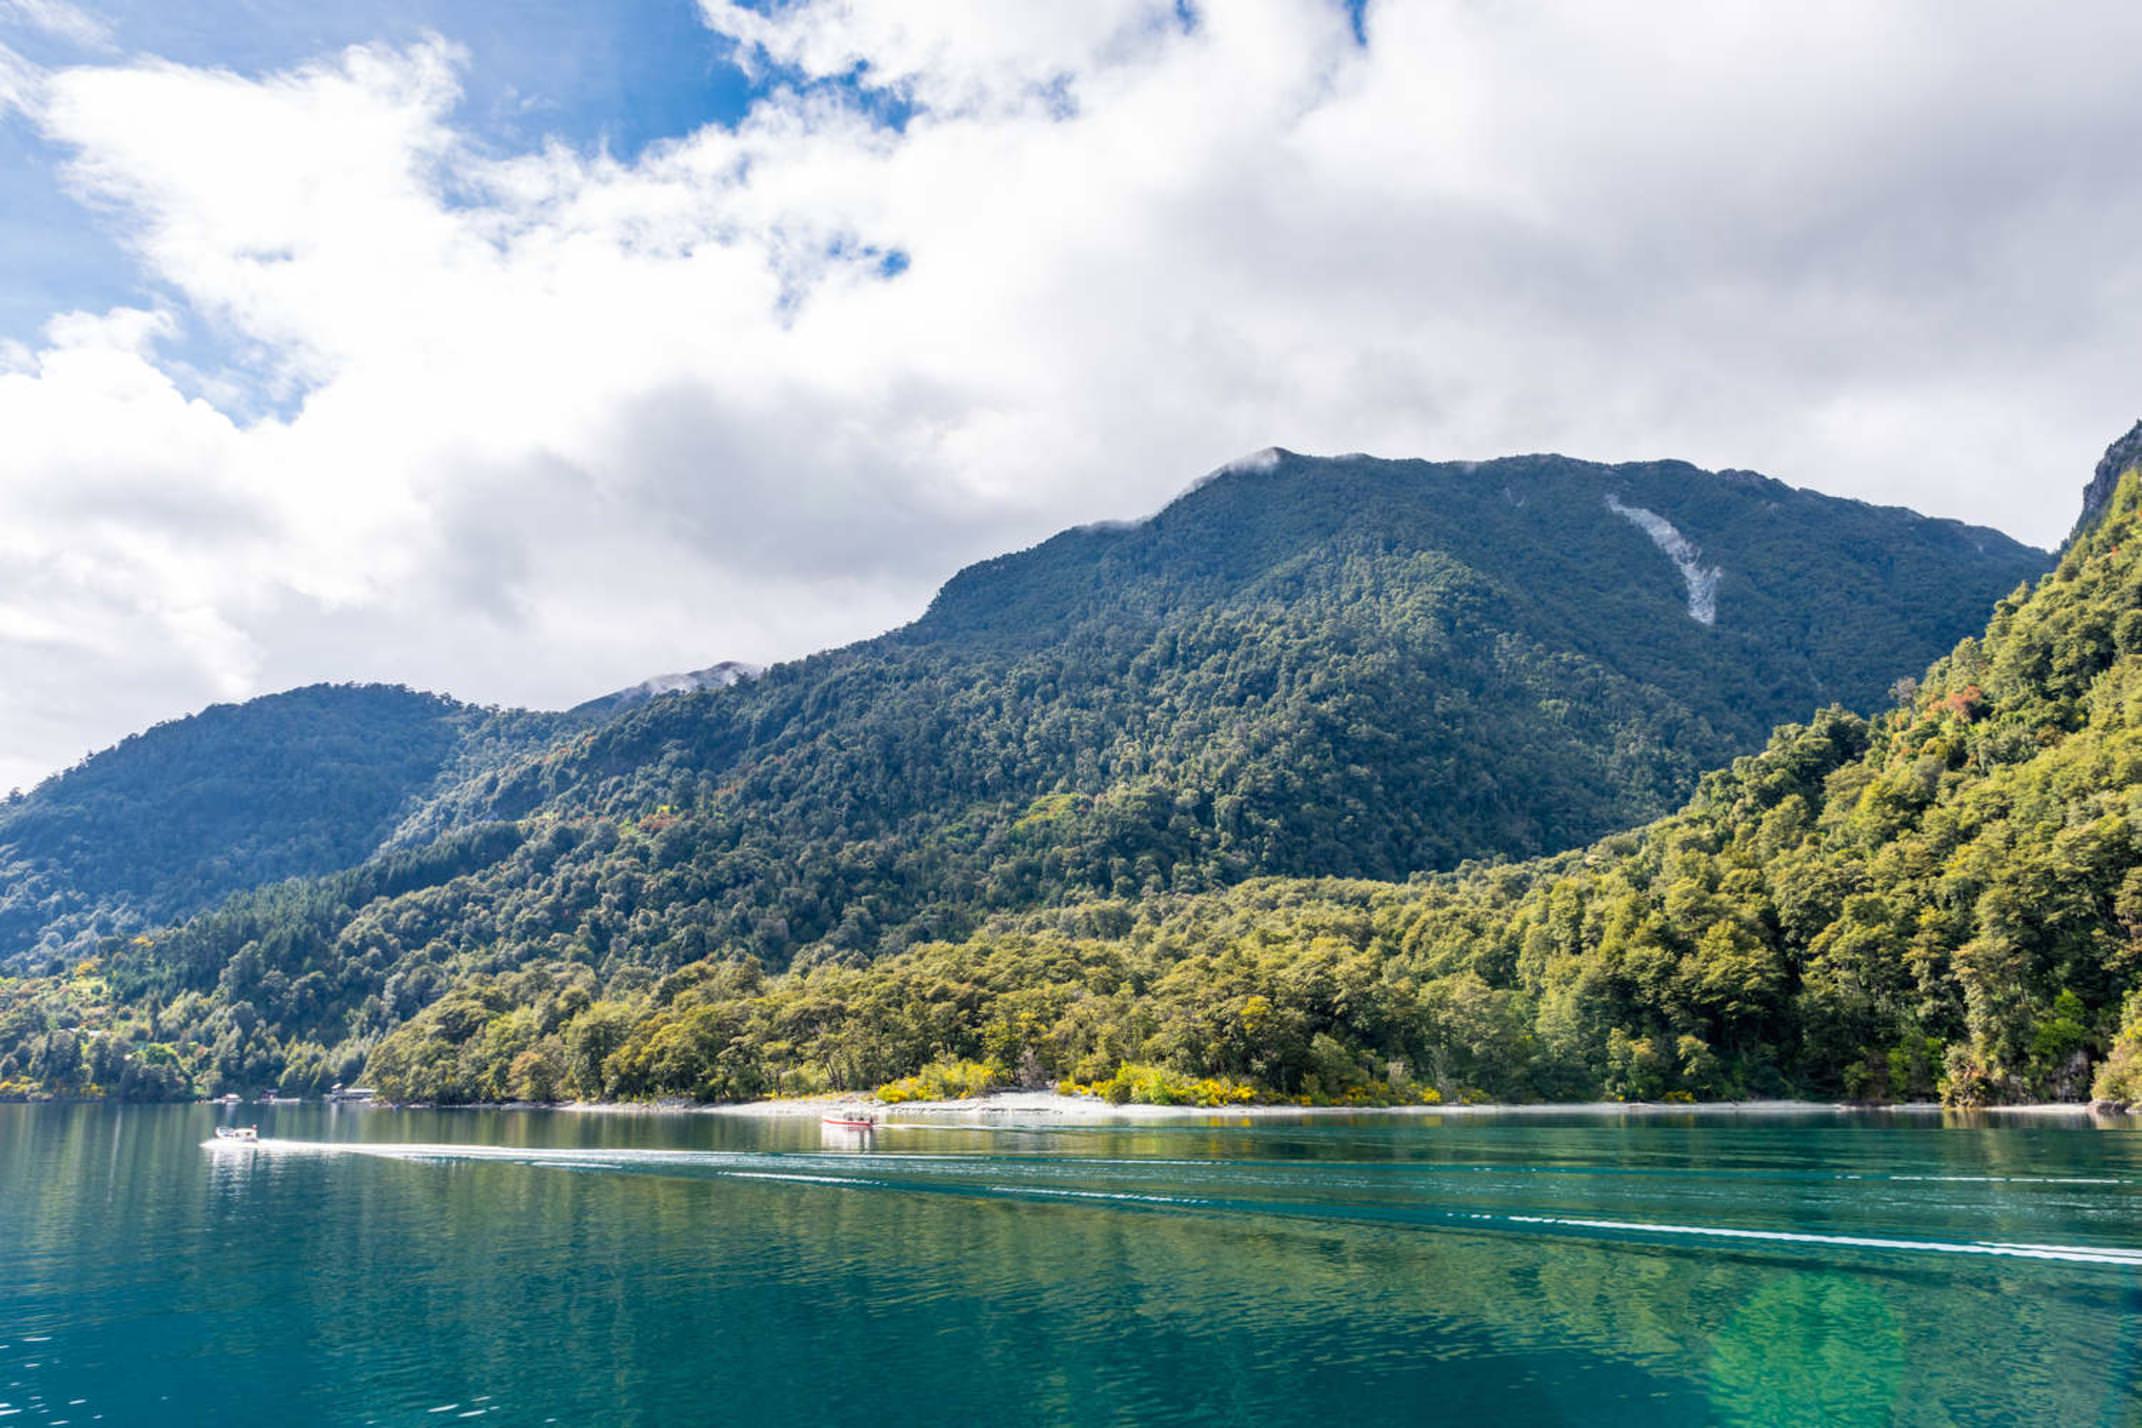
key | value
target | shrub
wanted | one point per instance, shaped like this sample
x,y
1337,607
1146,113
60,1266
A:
x,y
1157,1086
2119,1078
944,1081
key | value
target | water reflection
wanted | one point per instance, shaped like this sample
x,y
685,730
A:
x,y
849,1139
232,1165
660,1269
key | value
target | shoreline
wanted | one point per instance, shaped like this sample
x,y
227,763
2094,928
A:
x,y
1053,1108
1027,1109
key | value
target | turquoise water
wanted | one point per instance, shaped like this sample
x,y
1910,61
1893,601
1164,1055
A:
x,y
528,1267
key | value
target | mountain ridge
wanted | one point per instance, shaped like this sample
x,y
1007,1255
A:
x,y
2119,458
1305,668
168,821
725,675
1945,898
1498,597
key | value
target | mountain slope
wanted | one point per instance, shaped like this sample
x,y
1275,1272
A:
x,y
2120,457
176,818
1344,667
1943,899
1305,667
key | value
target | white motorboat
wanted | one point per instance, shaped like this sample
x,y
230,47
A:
x,y
239,1135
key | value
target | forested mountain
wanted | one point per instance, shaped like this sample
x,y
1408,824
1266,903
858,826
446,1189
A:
x,y
1944,898
1345,667
176,818
1305,667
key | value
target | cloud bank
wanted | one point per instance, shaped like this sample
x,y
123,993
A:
x,y
528,426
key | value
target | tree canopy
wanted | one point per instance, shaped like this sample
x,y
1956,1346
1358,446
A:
x,y
1199,808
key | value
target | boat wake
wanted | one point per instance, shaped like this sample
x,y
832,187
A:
x,y
1423,1197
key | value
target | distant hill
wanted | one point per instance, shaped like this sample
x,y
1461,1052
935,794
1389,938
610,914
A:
x,y
174,819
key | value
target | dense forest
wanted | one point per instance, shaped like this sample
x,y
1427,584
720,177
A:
x,y
178,817
1943,899
1185,810
1347,667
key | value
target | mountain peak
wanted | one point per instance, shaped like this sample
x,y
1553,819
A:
x,y
1266,459
2120,458
725,675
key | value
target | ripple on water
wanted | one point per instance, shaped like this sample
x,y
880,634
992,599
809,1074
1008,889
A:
x,y
651,1269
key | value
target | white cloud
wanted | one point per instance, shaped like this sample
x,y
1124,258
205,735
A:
x,y
964,57
540,424
60,20
20,82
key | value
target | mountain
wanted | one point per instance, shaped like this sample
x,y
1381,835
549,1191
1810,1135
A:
x,y
1302,667
725,675
1942,899
1449,661
174,819
1350,667
310,781
2120,457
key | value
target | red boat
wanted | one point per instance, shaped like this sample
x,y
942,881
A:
x,y
850,1118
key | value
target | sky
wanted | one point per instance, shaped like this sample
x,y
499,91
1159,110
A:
x,y
522,349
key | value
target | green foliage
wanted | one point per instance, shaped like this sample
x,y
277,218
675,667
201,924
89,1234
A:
x,y
1944,898
943,1081
1076,824
1158,1086
2120,1078
174,819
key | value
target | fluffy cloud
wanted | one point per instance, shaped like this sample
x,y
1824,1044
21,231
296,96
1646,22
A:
x,y
529,426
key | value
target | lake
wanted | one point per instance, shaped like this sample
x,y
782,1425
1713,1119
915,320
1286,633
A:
x,y
526,1267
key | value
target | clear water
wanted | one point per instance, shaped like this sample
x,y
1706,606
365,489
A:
x,y
528,1267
